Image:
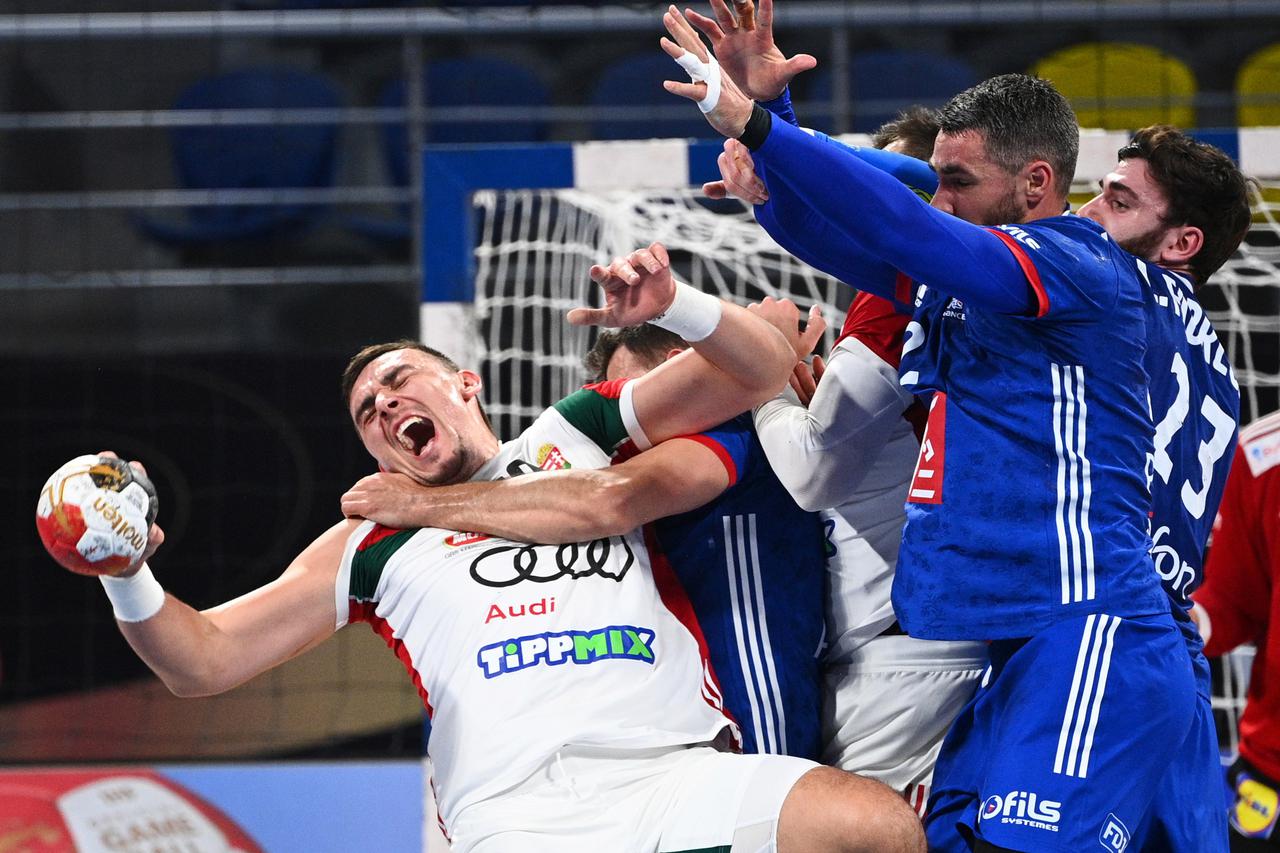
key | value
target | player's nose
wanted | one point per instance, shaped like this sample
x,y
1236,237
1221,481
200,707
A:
x,y
942,201
386,401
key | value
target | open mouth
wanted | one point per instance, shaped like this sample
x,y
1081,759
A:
x,y
415,434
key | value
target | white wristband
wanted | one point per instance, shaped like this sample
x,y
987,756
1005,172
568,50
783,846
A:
x,y
136,598
703,72
693,315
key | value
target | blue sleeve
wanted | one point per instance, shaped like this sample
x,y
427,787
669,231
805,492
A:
x,y
878,218
1070,264
781,107
915,173
732,443
823,248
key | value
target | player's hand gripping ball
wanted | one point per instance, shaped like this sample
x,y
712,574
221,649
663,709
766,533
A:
x,y
94,514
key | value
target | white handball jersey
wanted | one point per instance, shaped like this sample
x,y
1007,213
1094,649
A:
x,y
519,650
853,450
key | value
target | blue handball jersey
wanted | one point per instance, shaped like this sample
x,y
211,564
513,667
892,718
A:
x,y
1029,502
753,565
1195,405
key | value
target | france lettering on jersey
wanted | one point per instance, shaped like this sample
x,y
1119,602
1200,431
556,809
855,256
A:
x,y
1195,405
752,563
1037,425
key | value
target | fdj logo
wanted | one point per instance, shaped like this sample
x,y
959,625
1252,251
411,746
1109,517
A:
x,y
1114,835
615,641
1022,808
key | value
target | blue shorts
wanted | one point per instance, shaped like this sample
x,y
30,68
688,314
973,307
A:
x,y
1186,814
1064,745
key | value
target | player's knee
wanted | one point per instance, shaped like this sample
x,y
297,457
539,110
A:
x,y
831,810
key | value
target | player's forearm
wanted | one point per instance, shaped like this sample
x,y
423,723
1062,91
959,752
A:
x,y
820,245
552,507
185,649
821,453
781,107
883,219
749,354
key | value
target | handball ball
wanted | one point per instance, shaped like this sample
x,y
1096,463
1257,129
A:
x,y
94,514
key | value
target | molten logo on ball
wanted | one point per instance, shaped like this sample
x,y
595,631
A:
x,y
94,513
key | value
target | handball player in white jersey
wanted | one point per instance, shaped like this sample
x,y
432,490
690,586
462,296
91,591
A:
x,y
572,706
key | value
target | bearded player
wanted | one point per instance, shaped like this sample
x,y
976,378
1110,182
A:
x,y
1010,146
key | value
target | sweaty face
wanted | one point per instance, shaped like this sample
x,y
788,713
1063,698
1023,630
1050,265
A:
x,y
971,185
1131,207
412,416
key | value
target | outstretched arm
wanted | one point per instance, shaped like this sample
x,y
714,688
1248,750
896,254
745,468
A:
x,y
879,218
199,653
821,452
558,506
737,361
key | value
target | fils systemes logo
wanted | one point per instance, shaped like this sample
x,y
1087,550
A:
x,y
613,642
1022,808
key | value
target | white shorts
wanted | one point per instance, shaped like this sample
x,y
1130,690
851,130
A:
x,y
887,708
646,801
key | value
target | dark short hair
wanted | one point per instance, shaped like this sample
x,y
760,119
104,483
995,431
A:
x,y
1203,188
650,343
362,359
916,128
1021,119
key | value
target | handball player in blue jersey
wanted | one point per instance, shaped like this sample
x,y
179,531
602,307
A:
x,y
1027,517
1183,206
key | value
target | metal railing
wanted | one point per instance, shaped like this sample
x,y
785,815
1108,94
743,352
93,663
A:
x,y
413,29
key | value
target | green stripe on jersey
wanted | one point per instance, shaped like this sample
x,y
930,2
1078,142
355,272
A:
x,y
370,559
596,416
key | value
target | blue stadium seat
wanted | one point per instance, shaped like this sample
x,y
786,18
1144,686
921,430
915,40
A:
x,y
477,82
455,83
634,84
261,156
884,82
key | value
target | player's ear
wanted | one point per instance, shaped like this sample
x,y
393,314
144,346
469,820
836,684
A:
x,y
1184,243
1039,182
672,353
472,384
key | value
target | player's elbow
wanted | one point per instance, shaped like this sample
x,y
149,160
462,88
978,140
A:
x,y
206,681
614,508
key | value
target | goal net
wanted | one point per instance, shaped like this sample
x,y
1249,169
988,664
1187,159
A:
x,y
532,248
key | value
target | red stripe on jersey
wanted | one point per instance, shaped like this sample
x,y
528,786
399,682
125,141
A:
x,y
610,389
1028,269
718,449
676,600
363,611
376,535
902,289
926,483
878,325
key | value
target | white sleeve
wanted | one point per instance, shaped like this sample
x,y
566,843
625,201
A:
x,y
822,453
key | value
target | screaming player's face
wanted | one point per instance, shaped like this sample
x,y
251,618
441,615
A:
x,y
1132,208
971,185
412,414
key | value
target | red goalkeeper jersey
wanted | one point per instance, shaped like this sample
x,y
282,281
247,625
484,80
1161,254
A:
x,y
1241,590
